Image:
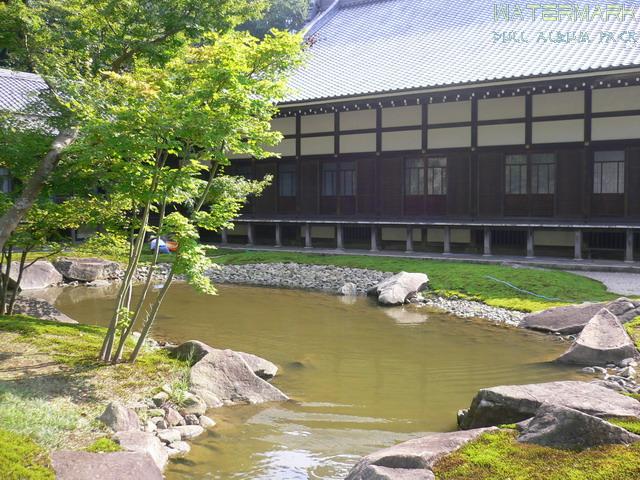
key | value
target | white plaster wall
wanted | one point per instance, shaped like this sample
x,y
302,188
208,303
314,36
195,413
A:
x,y
407,140
391,234
451,112
501,108
615,128
449,137
357,120
286,147
285,125
359,142
503,134
317,146
317,123
553,238
563,103
402,116
558,131
323,231
458,235
616,99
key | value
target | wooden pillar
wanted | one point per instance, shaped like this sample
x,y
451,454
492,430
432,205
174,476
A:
x,y
409,240
339,237
628,255
487,242
225,236
278,235
250,234
577,245
530,247
374,238
447,241
307,236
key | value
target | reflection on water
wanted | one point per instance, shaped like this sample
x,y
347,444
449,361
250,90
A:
x,y
361,377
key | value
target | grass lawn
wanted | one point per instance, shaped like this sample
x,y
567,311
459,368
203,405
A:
x,y
52,388
498,456
467,280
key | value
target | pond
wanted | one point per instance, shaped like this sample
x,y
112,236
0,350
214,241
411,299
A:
x,y
361,377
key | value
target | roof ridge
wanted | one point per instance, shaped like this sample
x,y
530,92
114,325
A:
x,y
33,77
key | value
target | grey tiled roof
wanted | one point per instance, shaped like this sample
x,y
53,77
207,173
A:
x,y
19,90
382,46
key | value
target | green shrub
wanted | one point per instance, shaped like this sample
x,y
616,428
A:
x,y
105,245
22,459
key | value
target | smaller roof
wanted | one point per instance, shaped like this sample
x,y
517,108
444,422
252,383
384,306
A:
x,y
19,90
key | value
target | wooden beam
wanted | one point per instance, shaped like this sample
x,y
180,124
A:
x,y
307,236
446,249
530,245
628,255
339,237
278,234
374,239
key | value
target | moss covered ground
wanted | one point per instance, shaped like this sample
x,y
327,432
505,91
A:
x,y
22,459
499,456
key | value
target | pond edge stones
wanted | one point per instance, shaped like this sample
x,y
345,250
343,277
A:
x,y
515,403
399,288
412,460
602,341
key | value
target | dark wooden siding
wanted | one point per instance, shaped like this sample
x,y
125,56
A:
x,y
458,185
266,203
310,186
490,184
366,186
390,184
633,182
570,180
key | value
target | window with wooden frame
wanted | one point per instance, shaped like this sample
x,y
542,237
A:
x,y
437,176
543,173
287,180
515,175
338,179
608,172
414,176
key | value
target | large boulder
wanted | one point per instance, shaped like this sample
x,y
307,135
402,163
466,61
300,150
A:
x,y
514,403
561,427
41,274
145,443
603,341
87,269
399,288
194,351
105,466
571,319
40,309
223,377
412,460
120,418
566,320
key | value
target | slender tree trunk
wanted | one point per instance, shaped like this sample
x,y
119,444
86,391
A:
x,y
6,279
10,220
14,294
152,316
145,291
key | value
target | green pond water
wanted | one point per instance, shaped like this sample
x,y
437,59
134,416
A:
x,y
360,377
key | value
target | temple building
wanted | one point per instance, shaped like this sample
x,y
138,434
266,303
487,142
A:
x,y
449,127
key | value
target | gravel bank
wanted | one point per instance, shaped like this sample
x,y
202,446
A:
x,y
330,278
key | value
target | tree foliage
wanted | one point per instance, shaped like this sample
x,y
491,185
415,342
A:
x,y
281,14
